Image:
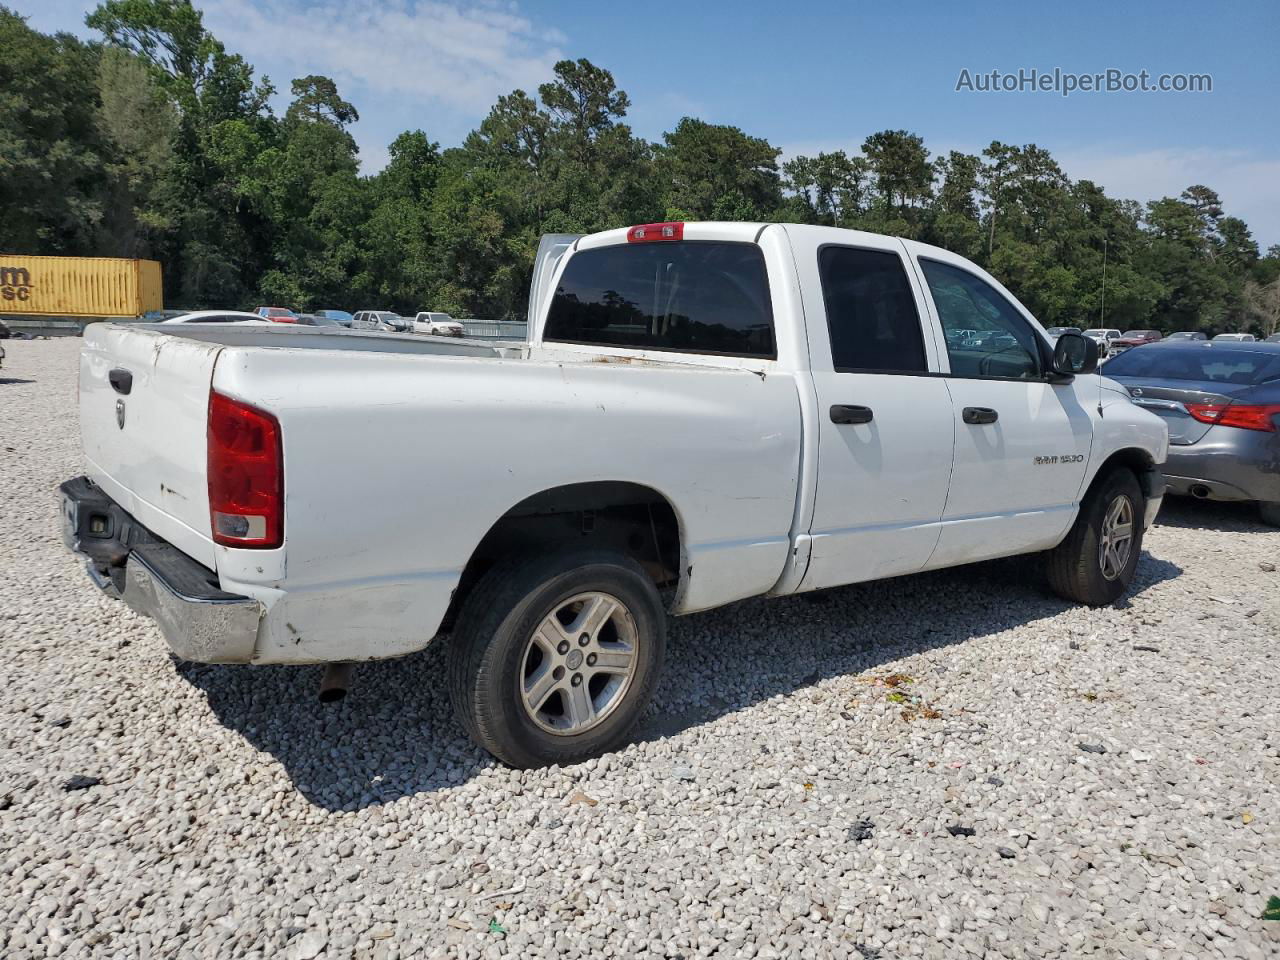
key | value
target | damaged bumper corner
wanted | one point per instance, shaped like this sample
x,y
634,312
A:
x,y
199,620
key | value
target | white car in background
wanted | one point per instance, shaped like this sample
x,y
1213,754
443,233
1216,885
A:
x,y
439,324
1235,338
220,316
1055,332
1103,336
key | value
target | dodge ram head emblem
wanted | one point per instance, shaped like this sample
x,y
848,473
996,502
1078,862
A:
x,y
120,414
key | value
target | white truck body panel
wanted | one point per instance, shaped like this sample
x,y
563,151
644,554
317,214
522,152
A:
x,y
437,419
401,452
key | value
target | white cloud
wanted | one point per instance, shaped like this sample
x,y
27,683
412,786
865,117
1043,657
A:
x,y
459,56
1247,182
374,155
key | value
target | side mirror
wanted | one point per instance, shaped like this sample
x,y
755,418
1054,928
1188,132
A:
x,y
1074,354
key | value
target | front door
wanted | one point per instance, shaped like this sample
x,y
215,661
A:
x,y
885,431
1022,443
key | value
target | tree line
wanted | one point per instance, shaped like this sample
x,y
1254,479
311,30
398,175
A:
x,y
157,142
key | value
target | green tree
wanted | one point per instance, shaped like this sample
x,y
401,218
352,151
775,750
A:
x,y
832,187
160,142
399,247
219,242
903,176
139,122
53,156
315,99
711,171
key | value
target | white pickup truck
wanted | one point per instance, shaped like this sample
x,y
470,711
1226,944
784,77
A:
x,y
703,412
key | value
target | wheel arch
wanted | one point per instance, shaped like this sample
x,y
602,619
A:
x,y
1140,461
634,518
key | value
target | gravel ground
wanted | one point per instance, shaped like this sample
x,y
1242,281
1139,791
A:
x,y
946,765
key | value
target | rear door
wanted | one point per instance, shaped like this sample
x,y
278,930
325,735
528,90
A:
x,y
1022,444
885,432
144,407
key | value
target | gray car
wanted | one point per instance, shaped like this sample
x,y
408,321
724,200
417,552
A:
x,y
1221,400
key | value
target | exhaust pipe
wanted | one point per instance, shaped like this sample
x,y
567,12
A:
x,y
336,680
1200,491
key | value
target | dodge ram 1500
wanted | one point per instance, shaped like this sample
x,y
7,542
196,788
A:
x,y
702,412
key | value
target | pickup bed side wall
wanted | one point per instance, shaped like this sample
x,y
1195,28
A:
x,y
391,484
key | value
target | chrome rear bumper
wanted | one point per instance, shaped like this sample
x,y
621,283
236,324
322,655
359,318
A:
x,y
199,620
222,628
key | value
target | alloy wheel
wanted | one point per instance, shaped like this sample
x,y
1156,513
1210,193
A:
x,y
1116,540
579,663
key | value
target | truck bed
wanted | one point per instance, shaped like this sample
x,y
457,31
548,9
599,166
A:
x,y
293,337
401,451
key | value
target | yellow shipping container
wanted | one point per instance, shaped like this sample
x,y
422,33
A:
x,y
78,286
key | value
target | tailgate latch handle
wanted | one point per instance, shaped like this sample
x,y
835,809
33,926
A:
x,y
121,380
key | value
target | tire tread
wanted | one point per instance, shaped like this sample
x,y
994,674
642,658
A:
x,y
1070,566
473,661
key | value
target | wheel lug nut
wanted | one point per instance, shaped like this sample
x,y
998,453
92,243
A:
x,y
564,646
577,680
584,640
558,672
591,659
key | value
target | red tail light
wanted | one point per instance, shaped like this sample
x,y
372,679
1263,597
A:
x,y
1247,416
656,233
246,475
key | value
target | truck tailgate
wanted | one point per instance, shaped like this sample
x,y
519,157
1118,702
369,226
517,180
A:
x,y
144,402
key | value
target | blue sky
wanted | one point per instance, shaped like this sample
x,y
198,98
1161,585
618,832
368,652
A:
x,y
808,76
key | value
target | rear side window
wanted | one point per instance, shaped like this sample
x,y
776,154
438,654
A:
x,y
871,313
693,297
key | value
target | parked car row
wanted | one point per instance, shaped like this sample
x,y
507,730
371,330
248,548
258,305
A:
x,y
436,324
429,322
219,316
1137,338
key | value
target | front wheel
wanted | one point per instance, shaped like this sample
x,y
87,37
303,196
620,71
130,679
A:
x,y
555,657
1096,562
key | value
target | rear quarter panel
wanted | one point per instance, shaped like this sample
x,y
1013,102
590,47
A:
x,y
396,467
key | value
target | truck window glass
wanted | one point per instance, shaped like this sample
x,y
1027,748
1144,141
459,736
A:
x,y
693,297
871,313
986,336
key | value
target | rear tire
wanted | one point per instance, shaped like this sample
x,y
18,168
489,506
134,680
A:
x,y
1082,568
1270,513
555,657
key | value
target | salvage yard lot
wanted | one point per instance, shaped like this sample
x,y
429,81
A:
x,y
943,765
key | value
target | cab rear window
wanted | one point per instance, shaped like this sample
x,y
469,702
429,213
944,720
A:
x,y
690,297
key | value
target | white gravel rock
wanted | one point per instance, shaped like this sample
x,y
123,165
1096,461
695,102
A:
x,y
783,800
